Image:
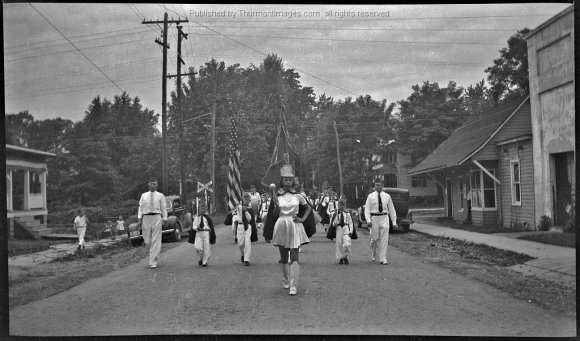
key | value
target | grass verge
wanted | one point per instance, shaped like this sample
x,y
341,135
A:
x,y
29,284
488,265
25,246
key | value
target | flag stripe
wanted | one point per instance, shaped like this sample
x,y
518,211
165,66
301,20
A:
x,y
234,189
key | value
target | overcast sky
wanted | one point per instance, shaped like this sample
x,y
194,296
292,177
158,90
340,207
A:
x,y
340,50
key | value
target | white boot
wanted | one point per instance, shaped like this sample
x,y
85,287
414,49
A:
x,y
285,275
294,275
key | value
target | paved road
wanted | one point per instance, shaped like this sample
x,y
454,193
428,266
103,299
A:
x,y
410,296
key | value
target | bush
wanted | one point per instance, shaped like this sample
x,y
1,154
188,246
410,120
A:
x,y
545,223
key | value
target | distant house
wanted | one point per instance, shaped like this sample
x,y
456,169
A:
x,y
552,93
392,172
488,158
26,174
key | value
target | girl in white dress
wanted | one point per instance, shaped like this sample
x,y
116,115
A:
x,y
289,232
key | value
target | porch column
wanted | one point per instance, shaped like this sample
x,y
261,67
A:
x,y
26,190
9,205
43,184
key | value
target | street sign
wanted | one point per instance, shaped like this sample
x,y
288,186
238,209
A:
x,y
204,187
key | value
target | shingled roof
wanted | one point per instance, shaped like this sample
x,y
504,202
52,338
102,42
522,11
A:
x,y
468,139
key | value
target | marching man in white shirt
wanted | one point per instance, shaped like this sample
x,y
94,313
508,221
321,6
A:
x,y
378,207
152,215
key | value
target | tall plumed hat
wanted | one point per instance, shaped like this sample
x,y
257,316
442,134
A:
x,y
286,171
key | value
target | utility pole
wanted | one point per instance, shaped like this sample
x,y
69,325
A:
x,y
213,141
338,158
180,36
165,46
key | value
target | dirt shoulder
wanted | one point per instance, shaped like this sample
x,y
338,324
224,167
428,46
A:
x,y
488,265
28,284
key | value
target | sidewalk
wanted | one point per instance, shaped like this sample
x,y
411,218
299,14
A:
x,y
553,263
56,251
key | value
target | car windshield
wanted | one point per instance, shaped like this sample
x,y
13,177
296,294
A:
x,y
169,204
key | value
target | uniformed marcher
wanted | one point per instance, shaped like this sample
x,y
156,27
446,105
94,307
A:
x,y
378,208
152,215
242,219
342,222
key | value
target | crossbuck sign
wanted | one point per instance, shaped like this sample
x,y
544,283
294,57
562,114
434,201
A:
x,y
204,187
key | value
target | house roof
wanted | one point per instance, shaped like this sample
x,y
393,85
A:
x,y
470,138
28,151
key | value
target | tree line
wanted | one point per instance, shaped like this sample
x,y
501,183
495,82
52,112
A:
x,y
107,156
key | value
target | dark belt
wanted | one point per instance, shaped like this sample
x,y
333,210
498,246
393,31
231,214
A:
x,y
152,213
376,214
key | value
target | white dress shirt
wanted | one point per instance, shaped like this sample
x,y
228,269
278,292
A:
x,y
152,202
372,206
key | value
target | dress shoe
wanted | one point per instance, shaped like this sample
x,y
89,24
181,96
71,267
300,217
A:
x,y
345,260
341,261
247,263
200,262
204,265
242,259
153,266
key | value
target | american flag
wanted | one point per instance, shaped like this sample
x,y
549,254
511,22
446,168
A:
x,y
234,184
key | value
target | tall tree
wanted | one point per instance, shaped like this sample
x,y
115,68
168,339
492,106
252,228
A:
x,y
508,75
428,116
19,128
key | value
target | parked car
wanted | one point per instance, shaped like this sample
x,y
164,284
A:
x,y
178,219
400,197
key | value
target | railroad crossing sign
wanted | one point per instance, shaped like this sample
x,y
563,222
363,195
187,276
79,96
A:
x,y
204,187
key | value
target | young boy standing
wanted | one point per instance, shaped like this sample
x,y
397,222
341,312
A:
x,y
241,220
202,226
344,227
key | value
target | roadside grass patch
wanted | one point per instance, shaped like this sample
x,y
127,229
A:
x,y
488,265
556,238
18,247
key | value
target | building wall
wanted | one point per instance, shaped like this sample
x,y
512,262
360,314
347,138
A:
x,y
406,182
552,91
515,216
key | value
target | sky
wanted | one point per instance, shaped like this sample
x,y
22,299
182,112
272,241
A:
x,y
59,57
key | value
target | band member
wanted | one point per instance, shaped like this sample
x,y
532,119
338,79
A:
x,y
288,230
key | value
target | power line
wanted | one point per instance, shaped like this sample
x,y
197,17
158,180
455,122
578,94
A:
x,y
350,40
364,29
390,18
60,76
74,37
81,41
265,54
81,52
78,49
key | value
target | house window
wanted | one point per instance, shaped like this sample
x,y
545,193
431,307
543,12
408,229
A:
x,y
515,183
391,157
35,183
482,190
390,180
418,182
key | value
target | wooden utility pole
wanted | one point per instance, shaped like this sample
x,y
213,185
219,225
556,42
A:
x,y
213,140
165,46
338,157
180,36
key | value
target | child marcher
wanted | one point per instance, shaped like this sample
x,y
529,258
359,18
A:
x,y
342,222
202,235
332,205
322,209
80,225
241,220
